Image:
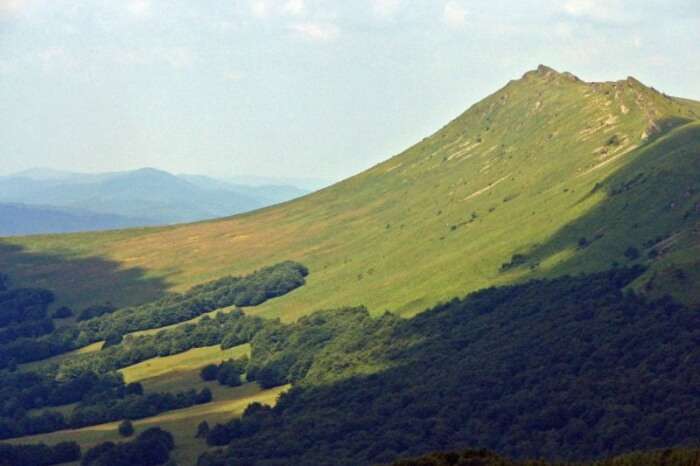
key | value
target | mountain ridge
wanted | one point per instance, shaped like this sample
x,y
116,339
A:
x,y
549,175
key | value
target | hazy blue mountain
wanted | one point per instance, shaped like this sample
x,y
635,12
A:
x,y
307,184
140,197
20,219
272,193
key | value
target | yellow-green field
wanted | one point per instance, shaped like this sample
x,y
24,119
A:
x,y
172,374
181,423
181,371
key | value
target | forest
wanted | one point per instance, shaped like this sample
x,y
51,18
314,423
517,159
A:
x,y
667,457
92,380
23,306
572,368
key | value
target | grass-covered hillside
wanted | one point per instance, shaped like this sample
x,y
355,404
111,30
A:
x,y
549,175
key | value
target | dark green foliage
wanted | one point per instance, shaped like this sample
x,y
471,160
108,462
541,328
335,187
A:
x,y
204,396
515,261
464,458
230,372
23,304
202,430
98,310
227,373
677,457
135,407
102,399
250,290
209,372
126,428
62,312
112,340
39,455
23,391
229,329
632,253
614,140
151,448
571,367
27,329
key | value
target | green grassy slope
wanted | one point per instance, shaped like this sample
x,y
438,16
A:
x,y
530,170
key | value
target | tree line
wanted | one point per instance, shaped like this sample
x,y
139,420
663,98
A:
x,y
249,290
133,405
666,457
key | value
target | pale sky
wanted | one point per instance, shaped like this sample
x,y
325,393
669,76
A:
x,y
297,88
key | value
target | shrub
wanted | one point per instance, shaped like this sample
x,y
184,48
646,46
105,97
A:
x,y
209,372
632,253
126,428
202,430
62,312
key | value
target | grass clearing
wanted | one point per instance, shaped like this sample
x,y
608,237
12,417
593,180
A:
x,y
181,371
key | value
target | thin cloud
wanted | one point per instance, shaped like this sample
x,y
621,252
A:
x,y
233,76
294,7
454,14
139,8
12,6
318,32
259,8
597,10
386,8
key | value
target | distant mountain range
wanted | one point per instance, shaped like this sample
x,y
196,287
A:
x,y
41,200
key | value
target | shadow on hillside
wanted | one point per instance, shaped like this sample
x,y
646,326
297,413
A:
x,y
81,281
647,202
553,369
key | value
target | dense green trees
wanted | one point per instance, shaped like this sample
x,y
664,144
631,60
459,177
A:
x,y
677,457
94,311
250,290
102,399
228,329
23,304
135,407
21,391
150,448
126,428
227,373
39,455
62,312
572,367
23,314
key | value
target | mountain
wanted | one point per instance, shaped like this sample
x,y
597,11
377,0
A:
x,y
548,176
307,184
142,197
20,219
529,249
270,193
